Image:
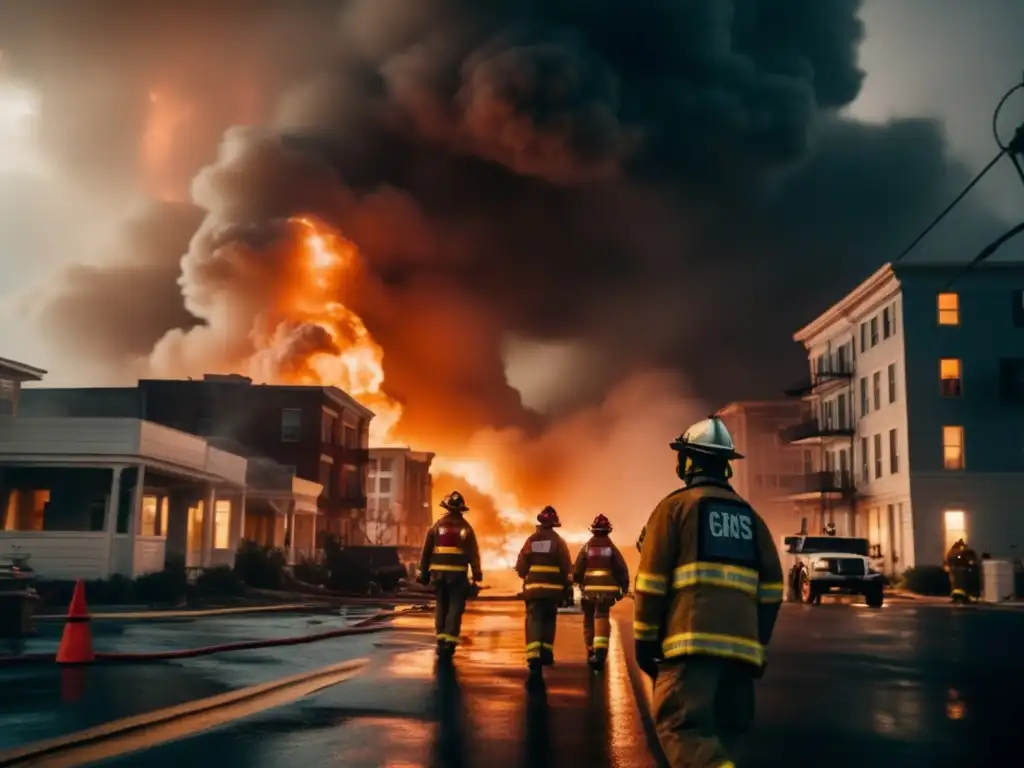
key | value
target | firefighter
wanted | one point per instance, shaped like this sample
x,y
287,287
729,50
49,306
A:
x,y
962,565
603,576
546,570
707,593
449,550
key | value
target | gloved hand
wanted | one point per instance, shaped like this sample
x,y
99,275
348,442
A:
x,y
474,590
648,654
568,597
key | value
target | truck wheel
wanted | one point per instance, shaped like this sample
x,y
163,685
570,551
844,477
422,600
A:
x,y
874,598
808,596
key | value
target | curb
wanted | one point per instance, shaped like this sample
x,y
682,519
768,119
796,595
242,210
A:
x,y
1006,605
643,692
320,678
189,614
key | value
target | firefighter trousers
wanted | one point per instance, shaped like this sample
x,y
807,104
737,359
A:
x,y
597,626
452,593
702,706
541,617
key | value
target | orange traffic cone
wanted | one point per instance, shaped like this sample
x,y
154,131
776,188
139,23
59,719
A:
x,y
76,643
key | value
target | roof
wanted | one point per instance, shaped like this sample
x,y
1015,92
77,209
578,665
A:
x,y
400,450
25,372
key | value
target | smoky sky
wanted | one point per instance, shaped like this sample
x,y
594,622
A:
x,y
671,181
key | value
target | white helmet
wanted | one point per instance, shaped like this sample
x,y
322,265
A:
x,y
708,436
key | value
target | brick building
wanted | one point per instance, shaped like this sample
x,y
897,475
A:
x,y
399,492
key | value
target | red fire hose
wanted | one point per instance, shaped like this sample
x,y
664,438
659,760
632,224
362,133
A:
x,y
366,626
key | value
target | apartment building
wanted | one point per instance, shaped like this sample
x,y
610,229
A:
x,y
914,412
399,488
772,468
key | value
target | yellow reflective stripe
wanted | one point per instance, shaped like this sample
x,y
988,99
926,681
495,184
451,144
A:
x,y
451,568
534,654
600,642
596,588
959,592
448,638
449,551
651,583
542,585
770,592
726,646
597,572
545,569
531,646
547,646
715,574
643,631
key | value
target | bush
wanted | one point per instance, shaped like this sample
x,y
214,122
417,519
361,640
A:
x,y
260,567
169,586
927,580
220,581
346,573
310,571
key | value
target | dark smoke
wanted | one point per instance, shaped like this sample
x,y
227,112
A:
x,y
669,180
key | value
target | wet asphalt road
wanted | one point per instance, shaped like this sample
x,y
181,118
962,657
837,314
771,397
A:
x,y
910,685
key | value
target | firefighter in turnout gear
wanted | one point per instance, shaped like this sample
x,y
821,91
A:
x,y
449,551
708,593
962,565
603,576
546,570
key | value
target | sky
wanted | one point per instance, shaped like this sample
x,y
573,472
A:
x,y
949,59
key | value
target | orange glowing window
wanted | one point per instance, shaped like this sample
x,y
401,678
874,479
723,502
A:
x,y
953,447
949,309
950,377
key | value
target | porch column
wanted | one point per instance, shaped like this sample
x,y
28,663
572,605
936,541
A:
x,y
211,501
312,535
240,531
135,518
110,523
291,533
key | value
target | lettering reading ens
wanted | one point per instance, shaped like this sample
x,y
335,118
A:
x,y
729,525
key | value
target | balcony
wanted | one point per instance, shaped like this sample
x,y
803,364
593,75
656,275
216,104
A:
x,y
350,501
813,429
356,456
830,373
835,484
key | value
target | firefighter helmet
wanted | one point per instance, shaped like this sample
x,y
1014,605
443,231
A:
x,y
548,518
601,524
454,502
709,437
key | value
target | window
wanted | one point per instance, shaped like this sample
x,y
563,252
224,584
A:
x,y
291,425
326,475
865,474
876,386
893,315
222,524
891,372
874,331
328,426
949,309
150,521
385,466
384,486
864,410
894,452
841,411
863,337
1018,308
1011,379
955,523
165,509
878,456
953,447
886,323
950,380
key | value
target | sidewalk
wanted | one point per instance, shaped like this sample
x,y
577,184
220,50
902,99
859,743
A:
x,y
1010,605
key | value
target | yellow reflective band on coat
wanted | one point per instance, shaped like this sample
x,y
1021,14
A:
x,y
449,568
600,642
545,569
448,638
449,551
715,574
595,588
651,584
770,592
958,593
643,631
724,646
597,572
542,585
533,649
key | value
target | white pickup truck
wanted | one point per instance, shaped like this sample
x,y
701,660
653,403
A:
x,y
822,565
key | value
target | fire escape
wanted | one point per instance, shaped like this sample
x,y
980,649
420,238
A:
x,y
829,427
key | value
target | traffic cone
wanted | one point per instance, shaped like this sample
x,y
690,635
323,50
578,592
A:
x,y
76,642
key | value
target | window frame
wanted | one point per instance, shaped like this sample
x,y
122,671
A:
x,y
961,463
293,435
959,378
948,315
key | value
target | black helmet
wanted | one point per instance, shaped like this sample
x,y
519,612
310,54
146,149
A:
x,y
454,502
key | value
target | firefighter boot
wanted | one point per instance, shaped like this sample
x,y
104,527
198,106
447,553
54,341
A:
x,y
597,659
547,657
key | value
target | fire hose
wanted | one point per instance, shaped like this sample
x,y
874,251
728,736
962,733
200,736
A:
x,y
370,625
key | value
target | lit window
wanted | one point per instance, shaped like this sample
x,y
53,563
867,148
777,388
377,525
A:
x,y
955,527
953,447
950,381
949,309
165,509
222,524
149,516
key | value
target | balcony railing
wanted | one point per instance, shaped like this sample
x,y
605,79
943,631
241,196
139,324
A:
x,y
840,370
835,481
815,428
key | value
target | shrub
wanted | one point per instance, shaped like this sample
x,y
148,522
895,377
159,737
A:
x,y
167,586
309,571
218,581
260,567
927,580
346,573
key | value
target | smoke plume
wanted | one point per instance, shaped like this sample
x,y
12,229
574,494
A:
x,y
669,182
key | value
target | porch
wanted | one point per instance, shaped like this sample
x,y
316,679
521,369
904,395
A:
x,y
90,498
281,510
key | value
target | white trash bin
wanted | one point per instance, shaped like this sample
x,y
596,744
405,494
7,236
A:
x,y
996,581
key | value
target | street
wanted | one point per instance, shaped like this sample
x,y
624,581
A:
x,y
911,684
